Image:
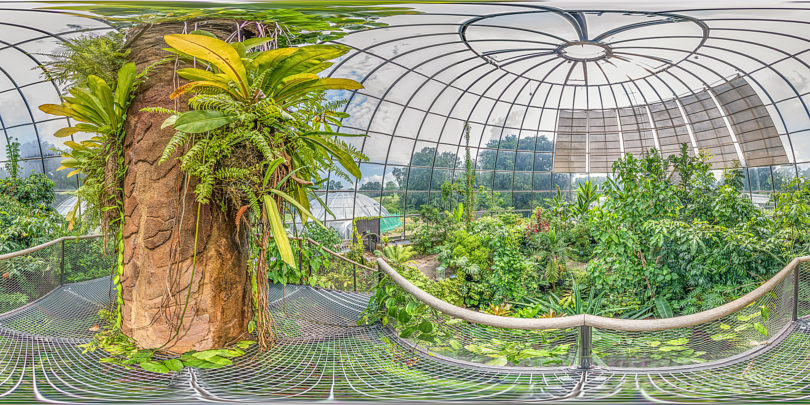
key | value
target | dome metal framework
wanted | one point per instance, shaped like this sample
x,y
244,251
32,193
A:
x,y
555,94
27,37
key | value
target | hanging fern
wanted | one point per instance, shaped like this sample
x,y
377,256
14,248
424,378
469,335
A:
x,y
259,141
179,139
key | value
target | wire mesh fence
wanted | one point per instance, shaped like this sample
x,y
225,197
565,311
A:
x,y
750,328
331,270
753,353
29,275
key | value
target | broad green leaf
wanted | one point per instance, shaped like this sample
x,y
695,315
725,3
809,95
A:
x,y
271,168
761,329
765,312
56,109
403,316
254,42
231,352
723,336
289,93
198,75
192,362
202,83
206,354
530,353
75,145
173,364
498,361
268,58
67,131
169,122
677,342
154,366
279,233
126,79
301,209
194,122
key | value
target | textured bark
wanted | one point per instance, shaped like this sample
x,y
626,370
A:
x,y
159,231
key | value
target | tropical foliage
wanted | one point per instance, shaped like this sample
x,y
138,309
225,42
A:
x,y
27,218
100,109
661,237
256,138
88,55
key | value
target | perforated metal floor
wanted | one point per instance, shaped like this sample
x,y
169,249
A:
x,y
322,354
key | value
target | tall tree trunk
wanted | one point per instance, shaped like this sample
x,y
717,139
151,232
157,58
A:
x,y
159,231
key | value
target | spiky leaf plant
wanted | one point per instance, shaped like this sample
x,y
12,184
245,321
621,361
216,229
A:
x,y
258,135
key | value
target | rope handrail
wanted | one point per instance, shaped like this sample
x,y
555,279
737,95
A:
x,y
41,246
564,322
338,255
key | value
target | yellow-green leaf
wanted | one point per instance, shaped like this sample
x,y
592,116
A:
x,y
56,109
296,204
75,145
67,131
213,50
279,233
202,83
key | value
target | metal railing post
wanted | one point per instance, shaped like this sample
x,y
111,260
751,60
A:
x,y
585,347
62,265
796,291
354,276
309,245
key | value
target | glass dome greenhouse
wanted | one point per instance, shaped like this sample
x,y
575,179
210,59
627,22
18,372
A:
x,y
345,205
553,93
576,200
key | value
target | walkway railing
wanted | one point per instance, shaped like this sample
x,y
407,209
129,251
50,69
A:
x,y
743,327
739,328
30,274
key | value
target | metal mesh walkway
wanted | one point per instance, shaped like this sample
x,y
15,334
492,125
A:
x,y
322,354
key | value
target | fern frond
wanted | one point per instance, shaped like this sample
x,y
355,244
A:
x,y
232,173
179,139
159,110
258,140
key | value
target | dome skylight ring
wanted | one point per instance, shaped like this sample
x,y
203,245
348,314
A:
x,y
584,51
498,30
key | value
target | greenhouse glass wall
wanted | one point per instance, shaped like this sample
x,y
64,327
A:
x,y
548,107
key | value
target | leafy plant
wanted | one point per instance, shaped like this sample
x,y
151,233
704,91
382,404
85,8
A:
x,y
253,138
501,352
398,254
587,194
125,352
88,55
469,178
13,156
100,108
